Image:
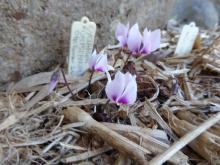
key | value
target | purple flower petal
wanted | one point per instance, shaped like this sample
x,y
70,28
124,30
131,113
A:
x,y
146,42
155,39
123,100
123,89
121,33
54,80
99,62
151,41
130,92
122,41
115,88
120,30
92,60
134,39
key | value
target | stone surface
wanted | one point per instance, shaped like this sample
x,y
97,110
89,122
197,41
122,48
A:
x,y
35,34
204,12
217,6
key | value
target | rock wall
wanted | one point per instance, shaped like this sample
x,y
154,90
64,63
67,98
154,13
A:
x,y
35,33
204,12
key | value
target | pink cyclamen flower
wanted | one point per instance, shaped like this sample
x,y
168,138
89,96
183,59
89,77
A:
x,y
121,34
123,89
99,62
146,44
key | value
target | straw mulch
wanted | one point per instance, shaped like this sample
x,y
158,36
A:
x,y
176,96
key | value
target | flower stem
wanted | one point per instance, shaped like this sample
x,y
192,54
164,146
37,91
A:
x,y
139,58
66,83
90,79
106,104
127,58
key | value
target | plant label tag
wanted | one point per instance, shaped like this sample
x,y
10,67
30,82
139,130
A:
x,y
187,39
81,45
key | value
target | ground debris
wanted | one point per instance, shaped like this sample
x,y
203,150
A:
x,y
176,94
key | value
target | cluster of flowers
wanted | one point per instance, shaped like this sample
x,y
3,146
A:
x,y
135,41
123,89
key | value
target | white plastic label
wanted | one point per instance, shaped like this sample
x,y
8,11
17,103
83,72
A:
x,y
81,45
187,39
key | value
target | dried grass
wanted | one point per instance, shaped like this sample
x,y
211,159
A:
x,y
175,96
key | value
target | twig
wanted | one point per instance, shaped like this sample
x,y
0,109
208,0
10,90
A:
x,y
160,159
86,155
53,143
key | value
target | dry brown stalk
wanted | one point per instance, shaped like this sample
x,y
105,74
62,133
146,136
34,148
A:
x,y
196,120
157,147
155,115
187,88
206,144
38,97
211,60
154,69
27,83
212,67
14,118
33,80
83,102
120,143
184,141
86,155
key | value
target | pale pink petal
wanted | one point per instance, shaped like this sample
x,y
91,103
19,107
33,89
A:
x,y
151,41
127,29
130,92
134,39
92,60
122,40
146,42
146,31
109,67
115,88
101,63
120,30
108,76
155,40
121,33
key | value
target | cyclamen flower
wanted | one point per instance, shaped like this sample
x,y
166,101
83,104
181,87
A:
x,y
149,42
121,34
54,80
123,89
99,62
